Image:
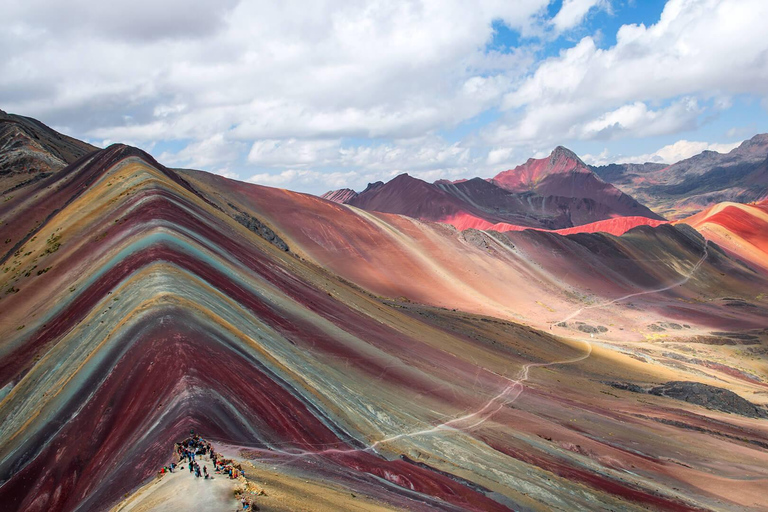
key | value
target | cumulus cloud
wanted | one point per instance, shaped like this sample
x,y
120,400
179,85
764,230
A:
x,y
206,153
636,119
327,180
499,155
573,12
134,21
699,50
294,152
315,163
268,69
291,91
420,155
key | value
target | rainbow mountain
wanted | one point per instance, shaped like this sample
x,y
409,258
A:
x,y
370,360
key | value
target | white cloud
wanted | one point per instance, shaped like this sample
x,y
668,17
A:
x,y
206,153
324,87
135,20
226,172
700,50
317,165
499,155
268,69
425,153
573,12
637,120
267,85
293,152
306,177
421,155
603,158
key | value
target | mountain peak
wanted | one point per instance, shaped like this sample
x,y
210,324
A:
x,y
406,180
372,186
561,152
528,175
564,174
342,195
29,146
758,141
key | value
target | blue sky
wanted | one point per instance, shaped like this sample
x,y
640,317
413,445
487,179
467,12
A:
x,y
329,94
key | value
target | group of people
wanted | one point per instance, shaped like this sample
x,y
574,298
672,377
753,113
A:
x,y
195,467
193,449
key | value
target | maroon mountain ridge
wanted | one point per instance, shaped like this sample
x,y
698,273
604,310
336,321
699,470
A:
x,y
556,192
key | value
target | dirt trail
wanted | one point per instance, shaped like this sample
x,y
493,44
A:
x,y
181,490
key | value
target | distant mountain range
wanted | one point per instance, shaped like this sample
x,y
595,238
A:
x,y
553,193
695,183
561,192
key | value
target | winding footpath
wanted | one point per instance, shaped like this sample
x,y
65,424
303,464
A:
x,y
509,394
